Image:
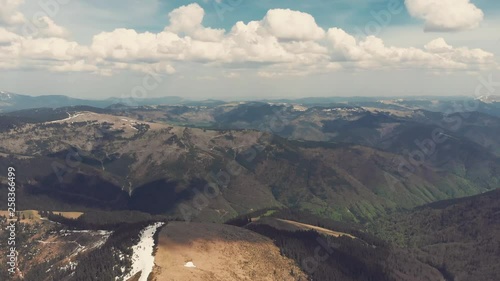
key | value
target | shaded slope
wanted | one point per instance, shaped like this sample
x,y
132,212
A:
x,y
458,236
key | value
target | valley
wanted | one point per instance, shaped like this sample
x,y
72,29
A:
x,y
249,168
323,194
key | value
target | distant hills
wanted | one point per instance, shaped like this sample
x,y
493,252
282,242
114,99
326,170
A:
x,y
13,101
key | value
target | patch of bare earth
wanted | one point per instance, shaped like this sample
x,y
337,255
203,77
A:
x,y
219,252
318,229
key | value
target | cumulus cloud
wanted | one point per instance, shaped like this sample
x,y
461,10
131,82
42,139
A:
x,y
188,20
283,42
9,14
445,15
437,54
46,27
125,45
57,49
7,37
292,25
438,46
182,40
40,25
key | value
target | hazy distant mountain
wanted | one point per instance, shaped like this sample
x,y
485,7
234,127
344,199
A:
x,y
12,102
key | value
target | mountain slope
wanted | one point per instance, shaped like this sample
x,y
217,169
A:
x,y
219,252
458,236
105,161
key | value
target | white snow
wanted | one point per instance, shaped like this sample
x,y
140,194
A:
x,y
299,107
190,264
67,119
102,241
142,257
70,266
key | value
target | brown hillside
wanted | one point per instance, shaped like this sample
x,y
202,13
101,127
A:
x,y
219,252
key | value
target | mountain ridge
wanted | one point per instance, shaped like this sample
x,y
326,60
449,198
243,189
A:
x,y
168,161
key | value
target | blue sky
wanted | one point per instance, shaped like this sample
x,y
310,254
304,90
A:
x,y
346,14
197,49
341,13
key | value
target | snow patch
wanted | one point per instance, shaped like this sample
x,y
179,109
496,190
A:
x,y
70,266
142,257
299,108
66,119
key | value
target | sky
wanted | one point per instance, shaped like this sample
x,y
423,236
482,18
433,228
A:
x,y
244,49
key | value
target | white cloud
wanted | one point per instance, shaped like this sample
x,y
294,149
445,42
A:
x,y
48,28
125,45
7,36
284,42
9,14
41,25
186,39
292,25
437,54
446,15
248,42
188,20
438,46
57,49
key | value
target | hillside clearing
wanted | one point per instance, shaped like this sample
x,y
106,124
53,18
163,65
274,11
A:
x,y
219,252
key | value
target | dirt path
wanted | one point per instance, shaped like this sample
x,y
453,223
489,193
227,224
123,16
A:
x,y
317,228
305,226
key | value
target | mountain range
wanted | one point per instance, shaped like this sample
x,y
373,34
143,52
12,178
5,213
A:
x,y
348,163
398,189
